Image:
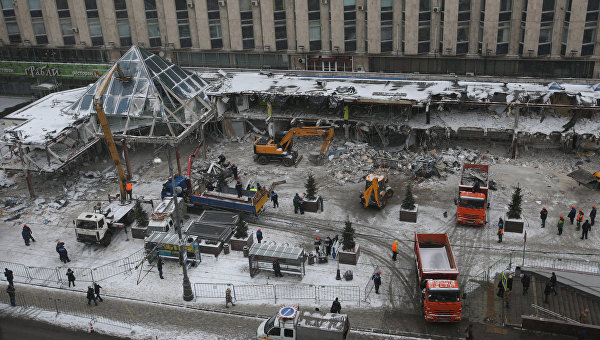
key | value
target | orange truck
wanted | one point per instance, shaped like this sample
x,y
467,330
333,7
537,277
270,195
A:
x,y
437,274
472,202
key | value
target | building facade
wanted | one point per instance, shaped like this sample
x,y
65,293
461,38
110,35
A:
x,y
540,38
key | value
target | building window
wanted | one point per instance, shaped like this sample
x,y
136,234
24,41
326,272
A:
x,y
349,25
183,23
424,26
247,24
37,21
545,41
35,8
214,24
314,25
387,25
504,27
464,24
152,23
65,23
280,25
590,29
91,9
123,23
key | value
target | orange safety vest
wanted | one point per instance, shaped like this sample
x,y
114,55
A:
x,y
395,247
580,217
128,187
500,231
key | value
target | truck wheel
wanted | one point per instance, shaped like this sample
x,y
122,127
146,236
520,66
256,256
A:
x,y
107,238
288,162
263,160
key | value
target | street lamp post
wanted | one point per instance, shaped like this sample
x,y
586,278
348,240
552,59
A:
x,y
188,294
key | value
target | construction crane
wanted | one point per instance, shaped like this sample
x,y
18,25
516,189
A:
x,y
112,148
372,195
269,149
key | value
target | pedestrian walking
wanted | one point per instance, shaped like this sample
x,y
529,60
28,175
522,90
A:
x,y
572,214
543,215
593,215
238,188
469,332
525,281
336,306
259,235
553,283
500,289
9,276
328,244
11,294
547,291
561,224
317,245
585,229
62,252
27,234
394,250
90,296
222,158
296,204
584,316
97,291
500,232
377,281
234,170
579,220
274,199
277,268
129,190
228,298
71,277
301,205
159,266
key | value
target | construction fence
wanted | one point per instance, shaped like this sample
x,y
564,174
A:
x,y
295,292
43,275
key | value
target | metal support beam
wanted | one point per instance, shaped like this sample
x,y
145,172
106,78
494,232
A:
x,y
127,163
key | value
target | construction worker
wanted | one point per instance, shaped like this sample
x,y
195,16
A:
x,y
234,170
592,216
579,219
301,205
228,298
584,229
274,198
296,204
500,232
221,158
238,188
561,223
543,215
277,267
317,245
572,214
26,234
377,281
394,250
259,235
129,190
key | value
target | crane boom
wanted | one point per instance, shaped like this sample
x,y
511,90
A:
x,y
112,148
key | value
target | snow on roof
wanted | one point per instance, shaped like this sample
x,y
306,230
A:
x,y
327,321
44,119
395,90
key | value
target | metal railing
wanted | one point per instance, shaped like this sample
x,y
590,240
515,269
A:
x,y
551,313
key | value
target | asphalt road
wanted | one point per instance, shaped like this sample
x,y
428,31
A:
x,y
16,328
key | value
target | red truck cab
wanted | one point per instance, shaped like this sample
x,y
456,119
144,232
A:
x,y
441,301
472,202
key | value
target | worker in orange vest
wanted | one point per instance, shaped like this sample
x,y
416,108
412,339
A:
x,y
500,232
394,250
579,219
129,190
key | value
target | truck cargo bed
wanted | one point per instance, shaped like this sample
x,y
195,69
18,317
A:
x,y
435,259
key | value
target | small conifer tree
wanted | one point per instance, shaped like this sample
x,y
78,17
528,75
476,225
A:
x,y
221,181
348,236
140,216
514,207
409,201
311,187
241,230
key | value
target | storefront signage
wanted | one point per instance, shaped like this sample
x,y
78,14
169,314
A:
x,y
48,70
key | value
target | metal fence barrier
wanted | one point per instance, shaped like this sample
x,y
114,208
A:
x,y
211,290
17,269
81,274
45,274
294,292
254,292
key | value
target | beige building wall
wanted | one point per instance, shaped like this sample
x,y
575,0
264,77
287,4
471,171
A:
x,y
435,29
515,28
360,26
170,30
450,28
193,26
290,26
3,30
474,27
576,26
337,26
132,20
79,19
397,29
532,27
301,7
326,45
490,28
24,22
374,26
257,26
559,19
137,21
202,30
51,23
225,27
108,21
235,25
268,24
411,27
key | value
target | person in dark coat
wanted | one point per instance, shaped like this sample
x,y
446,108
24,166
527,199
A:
x,y
210,186
26,233
97,291
11,294
90,296
258,186
328,244
9,276
553,282
560,225
159,266
469,332
543,215
63,254
336,306
547,291
277,268
296,203
593,216
228,298
234,170
301,205
259,235
525,281
71,277
377,281
476,186
585,228
222,158
572,214
238,188
274,198
317,245
509,282
500,289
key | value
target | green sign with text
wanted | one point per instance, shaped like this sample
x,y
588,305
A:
x,y
52,70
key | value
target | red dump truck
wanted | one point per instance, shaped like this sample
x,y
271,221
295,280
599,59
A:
x,y
473,197
437,273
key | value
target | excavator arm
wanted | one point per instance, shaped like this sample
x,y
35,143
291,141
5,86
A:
x,y
112,148
372,189
307,131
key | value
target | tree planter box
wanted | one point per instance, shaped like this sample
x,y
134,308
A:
x,y
409,215
349,257
314,205
212,249
238,244
513,226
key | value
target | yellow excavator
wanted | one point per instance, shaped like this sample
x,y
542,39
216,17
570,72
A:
x,y
112,148
280,148
376,192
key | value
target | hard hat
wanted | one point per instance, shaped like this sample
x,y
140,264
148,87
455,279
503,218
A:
x,y
232,163
561,216
318,238
572,207
379,272
25,225
258,229
544,208
594,207
580,210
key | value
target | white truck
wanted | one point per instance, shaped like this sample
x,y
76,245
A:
x,y
292,324
163,217
98,227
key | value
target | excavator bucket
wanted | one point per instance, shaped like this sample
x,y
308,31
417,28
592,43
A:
x,y
316,159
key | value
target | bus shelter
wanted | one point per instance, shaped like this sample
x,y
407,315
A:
x,y
291,259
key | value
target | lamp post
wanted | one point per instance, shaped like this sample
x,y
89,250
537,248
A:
x,y
188,294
